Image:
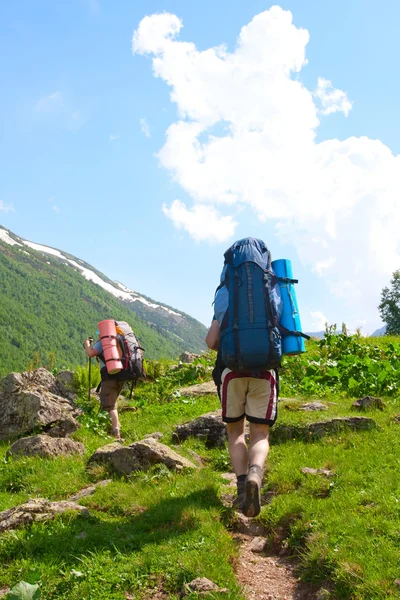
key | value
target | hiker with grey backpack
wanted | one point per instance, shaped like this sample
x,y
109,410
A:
x,y
247,334
128,360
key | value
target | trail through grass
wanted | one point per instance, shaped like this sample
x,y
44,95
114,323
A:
x,y
158,530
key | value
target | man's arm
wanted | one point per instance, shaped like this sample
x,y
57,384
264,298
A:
x,y
212,337
90,351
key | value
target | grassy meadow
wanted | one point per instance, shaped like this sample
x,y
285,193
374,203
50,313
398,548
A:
x,y
157,530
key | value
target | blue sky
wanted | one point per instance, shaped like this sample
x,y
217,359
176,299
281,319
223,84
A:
x,y
277,137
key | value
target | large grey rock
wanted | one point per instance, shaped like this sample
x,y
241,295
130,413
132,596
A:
x,y
298,405
200,389
31,401
45,447
156,435
37,509
319,429
62,428
312,406
369,402
188,357
65,384
208,427
139,456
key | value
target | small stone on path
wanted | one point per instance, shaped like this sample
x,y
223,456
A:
x,y
258,544
311,471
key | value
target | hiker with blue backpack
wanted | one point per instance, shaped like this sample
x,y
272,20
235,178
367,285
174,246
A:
x,y
247,331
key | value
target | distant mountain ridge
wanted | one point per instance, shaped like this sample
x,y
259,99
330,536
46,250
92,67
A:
x,y
315,334
320,334
379,332
47,290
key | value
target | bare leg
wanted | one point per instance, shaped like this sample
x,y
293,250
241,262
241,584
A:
x,y
237,447
259,444
239,457
114,422
258,453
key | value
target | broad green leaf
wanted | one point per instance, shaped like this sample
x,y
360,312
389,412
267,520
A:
x,y
352,383
24,591
383,376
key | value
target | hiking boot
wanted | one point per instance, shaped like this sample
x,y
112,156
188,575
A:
x,y
252,500
238,501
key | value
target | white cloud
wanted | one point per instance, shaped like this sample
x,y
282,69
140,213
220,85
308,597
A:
x,y
203,222
154,32
245,137
319,320
6,207
50,102
323,265
144,126
112,137
331,100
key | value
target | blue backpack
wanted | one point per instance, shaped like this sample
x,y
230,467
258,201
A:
x,y
250,337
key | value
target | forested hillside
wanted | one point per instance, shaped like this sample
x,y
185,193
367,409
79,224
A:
x,y
47,309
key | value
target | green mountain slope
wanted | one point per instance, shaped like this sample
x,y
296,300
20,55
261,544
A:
x,y
48,307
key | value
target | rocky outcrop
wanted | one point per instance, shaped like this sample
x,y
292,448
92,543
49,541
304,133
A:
x,y
313,406
200,389
298,405
157,435
208,427
188,357
139,456
369,402
37,509
62,428
45,447
65,384
35,400
281,432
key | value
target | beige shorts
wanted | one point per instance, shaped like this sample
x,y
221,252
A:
x,y
109,392
252,397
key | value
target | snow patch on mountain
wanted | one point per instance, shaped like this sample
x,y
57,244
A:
x,y
122,293
6,238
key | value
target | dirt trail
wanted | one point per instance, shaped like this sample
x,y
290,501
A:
x,y
268,577
263,576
